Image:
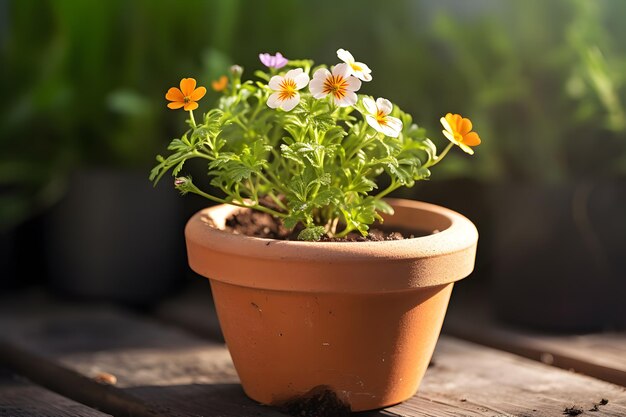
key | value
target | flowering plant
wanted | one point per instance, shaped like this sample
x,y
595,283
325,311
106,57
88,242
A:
x,y
307,156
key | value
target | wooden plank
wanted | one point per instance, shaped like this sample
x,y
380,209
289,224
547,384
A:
x,y
471,380
465,379
21,398
160,371
601,355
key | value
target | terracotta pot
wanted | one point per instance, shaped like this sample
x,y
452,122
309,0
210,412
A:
x,y
360,319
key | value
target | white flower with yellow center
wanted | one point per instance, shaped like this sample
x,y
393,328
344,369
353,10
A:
x,y
378,116
340,84
286,88
358,69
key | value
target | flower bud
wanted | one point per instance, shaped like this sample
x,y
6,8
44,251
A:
x,y
236,70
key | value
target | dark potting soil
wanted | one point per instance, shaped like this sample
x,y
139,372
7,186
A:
x,y
258,224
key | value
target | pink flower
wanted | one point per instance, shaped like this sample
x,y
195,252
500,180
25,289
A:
x,y
273,61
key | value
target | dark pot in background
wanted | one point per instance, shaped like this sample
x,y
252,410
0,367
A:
x,y
8,266
22,253
559,255
116,238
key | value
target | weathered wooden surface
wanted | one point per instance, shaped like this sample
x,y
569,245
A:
x,y
21,398
601,355
162,371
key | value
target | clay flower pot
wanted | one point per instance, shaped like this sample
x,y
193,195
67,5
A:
x,y
360,319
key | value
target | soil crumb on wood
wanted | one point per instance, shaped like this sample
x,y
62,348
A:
x,y
596,406
573,411
258,224
319,402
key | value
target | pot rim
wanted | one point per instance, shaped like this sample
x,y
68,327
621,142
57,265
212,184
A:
x,y
435,259
458,234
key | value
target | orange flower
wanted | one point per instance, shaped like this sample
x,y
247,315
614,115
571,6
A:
x,y
459,131
220,85
186,96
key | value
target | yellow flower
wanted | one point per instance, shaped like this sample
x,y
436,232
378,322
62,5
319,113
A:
x,y
186,96
459,131
220,84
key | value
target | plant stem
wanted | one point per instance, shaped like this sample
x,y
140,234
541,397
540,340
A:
x,y
193,189
193,121
441,156
394,185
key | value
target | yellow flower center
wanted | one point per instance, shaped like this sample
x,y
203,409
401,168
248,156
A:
x,y
336,85
287,89
356,67
186,100
381,118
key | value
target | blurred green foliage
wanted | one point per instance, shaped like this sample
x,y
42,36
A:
x,y
83,80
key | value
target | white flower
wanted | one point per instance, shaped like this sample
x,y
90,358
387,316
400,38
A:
x,y
358,69
340,84
379,118
286,88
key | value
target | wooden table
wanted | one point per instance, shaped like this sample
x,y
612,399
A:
x,y
59,359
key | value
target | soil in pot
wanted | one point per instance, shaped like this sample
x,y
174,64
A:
x,y
263,225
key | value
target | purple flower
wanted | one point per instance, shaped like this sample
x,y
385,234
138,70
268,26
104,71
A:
x,y
273,61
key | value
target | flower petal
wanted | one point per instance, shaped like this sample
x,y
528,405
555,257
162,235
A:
x,y
471,139
192,105
466,148
293,73
316,87
345,56
450,137
384,105
389,131
198,93
370,105
453,121
275,82
279,60
364,73
446,125
321,74
465,126
265,59
371,120
274,101
301,80
175,104
353,83
342,70
174,94
363,76
290,103
394,123
187,85
349,99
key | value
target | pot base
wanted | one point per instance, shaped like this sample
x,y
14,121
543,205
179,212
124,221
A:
x,y
370,349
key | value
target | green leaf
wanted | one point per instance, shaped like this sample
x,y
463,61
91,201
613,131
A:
x,y
312,233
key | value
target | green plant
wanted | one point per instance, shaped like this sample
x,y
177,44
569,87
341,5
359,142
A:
x,y
305,157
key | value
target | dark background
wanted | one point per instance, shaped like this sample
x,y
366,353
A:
x,y
83,114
